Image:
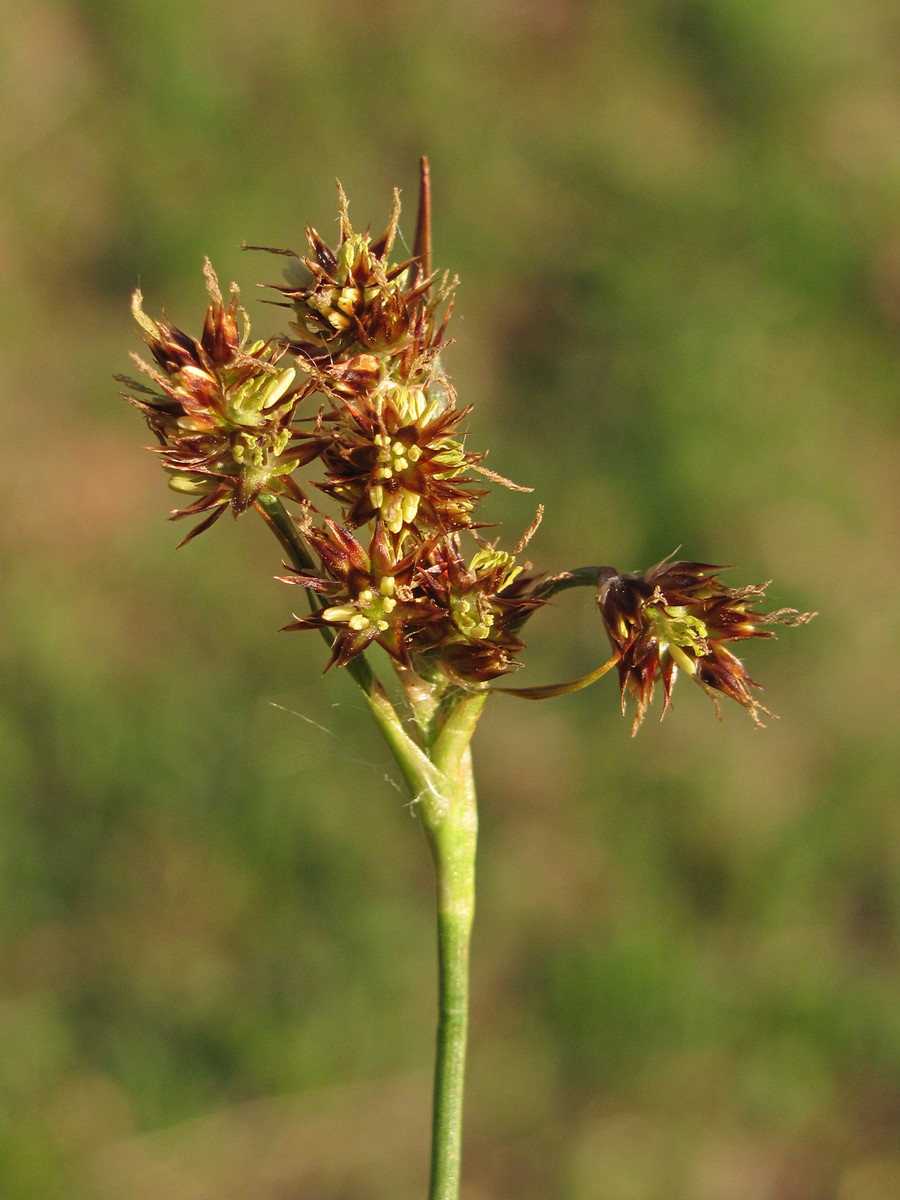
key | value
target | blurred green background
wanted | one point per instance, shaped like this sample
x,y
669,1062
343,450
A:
x,y
676,225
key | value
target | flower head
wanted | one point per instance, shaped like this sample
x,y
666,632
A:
x,y
391,454
483,603
679,615
222,410
428,609
353,298
364,595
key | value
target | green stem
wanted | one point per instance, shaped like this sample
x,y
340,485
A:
x,y
579,577
426,784
285,529
454,930
442,784
453,837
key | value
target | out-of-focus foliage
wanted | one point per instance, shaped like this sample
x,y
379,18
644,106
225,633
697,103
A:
x,y
676,228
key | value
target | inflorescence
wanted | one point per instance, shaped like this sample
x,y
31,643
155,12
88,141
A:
x,y
351,405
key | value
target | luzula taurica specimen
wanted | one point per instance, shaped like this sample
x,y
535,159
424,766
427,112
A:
x,y
345,434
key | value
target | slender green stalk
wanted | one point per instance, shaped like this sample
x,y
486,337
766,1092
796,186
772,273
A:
x,y
442,784
453,838
454,856
285,529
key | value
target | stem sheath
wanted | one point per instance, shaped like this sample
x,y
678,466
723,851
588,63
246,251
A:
x,y
453,848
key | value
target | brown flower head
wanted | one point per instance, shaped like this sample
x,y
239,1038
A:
x,y
223,410
680,615
353,299
366,595
390,453
429,610
483,602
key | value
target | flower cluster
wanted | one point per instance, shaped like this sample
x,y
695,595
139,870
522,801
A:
x,y
353,392
223,410
365,337
679,615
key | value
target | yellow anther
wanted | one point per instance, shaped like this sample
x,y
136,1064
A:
x,y
348,300
471,622
192,487
410,507
284,380
339,613
393,514
192,424
680,658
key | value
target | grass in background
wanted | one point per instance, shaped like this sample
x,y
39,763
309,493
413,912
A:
x,y
675,227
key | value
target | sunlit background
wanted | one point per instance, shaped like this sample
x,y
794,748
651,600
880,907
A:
x,y
676,225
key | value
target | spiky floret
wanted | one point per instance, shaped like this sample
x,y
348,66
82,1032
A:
x,y
679,615
353,298
483,601
364,595
390,453
223,410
